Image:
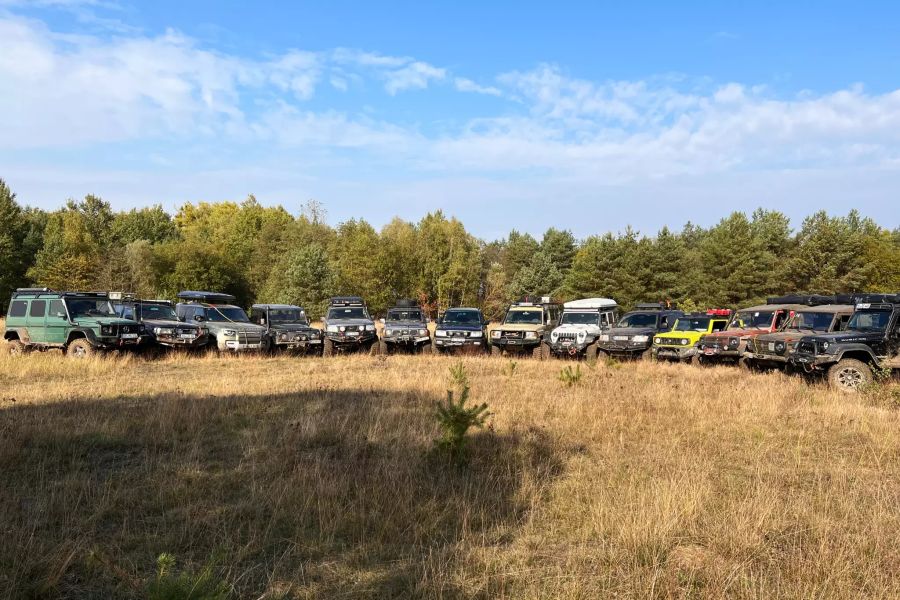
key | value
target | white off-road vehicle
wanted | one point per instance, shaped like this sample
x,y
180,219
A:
x,y
580,326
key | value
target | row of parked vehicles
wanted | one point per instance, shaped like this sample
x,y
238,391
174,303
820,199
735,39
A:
x,y
846,337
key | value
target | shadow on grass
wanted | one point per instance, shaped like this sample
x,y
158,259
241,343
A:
x,y
311,494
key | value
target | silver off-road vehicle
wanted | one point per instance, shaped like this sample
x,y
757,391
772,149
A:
x,y
229,327
348,326
405,329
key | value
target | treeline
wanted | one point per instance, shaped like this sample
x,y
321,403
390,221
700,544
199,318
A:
x,y
269,255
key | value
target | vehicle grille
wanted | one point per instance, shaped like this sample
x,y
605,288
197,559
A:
x,y
457,334
127,328
671,342
567,336
249,337
187,330
805,347
353,328
513,334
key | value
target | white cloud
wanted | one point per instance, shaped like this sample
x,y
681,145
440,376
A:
x,y
467,85
415,75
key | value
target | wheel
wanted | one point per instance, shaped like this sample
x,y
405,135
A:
x,y
849,375
590,353
80,348
327,347
496,351
602,354
745,364
16,347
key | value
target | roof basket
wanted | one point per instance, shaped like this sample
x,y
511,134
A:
x,y
206,297
806,299
650,306
346,301
406,303
42,290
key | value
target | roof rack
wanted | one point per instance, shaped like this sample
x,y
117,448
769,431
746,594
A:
x,y
405,303
807,299
718,312
876,299
33,290
206,297
346,301
650,306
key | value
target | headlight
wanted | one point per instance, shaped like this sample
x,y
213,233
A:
x,y
553,336
639,339
106,330
604,337
332,329
342,328
283,337
314,335
780,347
229,332
388,332
734,342
423,332
475,334
657,340
581,335
440,333
496,334
530,335
685,341
163,331
370,328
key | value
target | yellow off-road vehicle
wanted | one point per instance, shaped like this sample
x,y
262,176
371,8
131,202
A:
x,y
680,344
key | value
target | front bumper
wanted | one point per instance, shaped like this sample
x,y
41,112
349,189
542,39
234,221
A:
x,y
182,340
568,347
407,340
675,352
449,342
624,348
297,344
516,344
236,346
124,341
781,359
812,362
351,340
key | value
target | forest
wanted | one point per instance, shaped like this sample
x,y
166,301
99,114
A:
x,y
267,254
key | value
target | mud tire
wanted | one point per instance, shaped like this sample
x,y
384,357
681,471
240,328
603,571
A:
x,y
850,375
80,348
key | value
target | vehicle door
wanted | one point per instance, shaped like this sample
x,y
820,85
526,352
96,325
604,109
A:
x,y
893,342
37,314
17,315
57,323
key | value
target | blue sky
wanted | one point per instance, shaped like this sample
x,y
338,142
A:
x,y
587,116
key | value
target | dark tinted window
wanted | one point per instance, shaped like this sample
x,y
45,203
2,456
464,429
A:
x,y
57,309
38,308
18,308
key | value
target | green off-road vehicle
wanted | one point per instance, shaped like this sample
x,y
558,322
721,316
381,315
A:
x,y
78,323
526,328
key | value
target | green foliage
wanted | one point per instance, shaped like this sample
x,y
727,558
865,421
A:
x,y
170,584
571,377
539,277
455,418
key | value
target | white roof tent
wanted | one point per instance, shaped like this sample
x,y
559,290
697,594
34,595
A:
x,y
591,304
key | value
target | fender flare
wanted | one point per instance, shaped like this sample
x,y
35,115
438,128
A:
x,y
858,348
85,333
17,333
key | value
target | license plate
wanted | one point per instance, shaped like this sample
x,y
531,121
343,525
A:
x,y
620,338
352,333
772,346
129,336
187,336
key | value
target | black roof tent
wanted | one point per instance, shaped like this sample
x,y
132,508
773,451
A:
x,y
206,297
405,303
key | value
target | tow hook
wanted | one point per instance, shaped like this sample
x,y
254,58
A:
x,y
572,351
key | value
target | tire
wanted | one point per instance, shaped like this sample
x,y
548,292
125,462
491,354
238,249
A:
x,y
648,355
80,348
496,351
849,375
541,351
746,364
379,348
16,347
590,353
694,360
327,347
602,354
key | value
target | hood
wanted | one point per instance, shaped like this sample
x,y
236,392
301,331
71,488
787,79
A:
x,y
849,337
577,328
786,336
235,326
406,325
450,327
738,333
151,323
519,327
631,331
92,321
350,322
290,327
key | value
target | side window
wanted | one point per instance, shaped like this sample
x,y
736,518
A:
x,y
38,309
127,312
57,309
257,316
664,322
604,319
719,325
780,318
843,322
18,308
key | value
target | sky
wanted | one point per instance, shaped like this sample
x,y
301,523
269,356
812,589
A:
x,y
587,116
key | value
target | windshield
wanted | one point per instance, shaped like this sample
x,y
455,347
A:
x,y
226,314
692,324
759,319
525,317
287,315
159,312
405,315
870,320
580,318
638,320
809,321
90,307
350,312
461,317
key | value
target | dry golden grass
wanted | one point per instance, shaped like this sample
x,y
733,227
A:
x,y
310,478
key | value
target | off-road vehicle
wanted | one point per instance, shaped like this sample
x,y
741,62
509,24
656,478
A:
x,y
680,344
730,345
229,327
287,327
580,326
774,350
526,328
348,326
461,329
159,321
633,335
870,341
405,328
79,323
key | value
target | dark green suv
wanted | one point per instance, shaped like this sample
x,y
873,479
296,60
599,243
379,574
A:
x,y
79,323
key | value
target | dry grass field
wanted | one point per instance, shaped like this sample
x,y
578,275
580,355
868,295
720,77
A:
x,y
310,478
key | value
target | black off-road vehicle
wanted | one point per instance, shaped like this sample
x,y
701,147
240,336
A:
x,y
405,328
288,327
461,329
348,326
633,335
870,341
160,322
